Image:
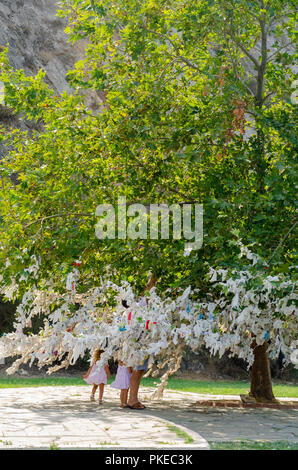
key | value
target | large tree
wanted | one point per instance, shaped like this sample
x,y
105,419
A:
x,y
196,108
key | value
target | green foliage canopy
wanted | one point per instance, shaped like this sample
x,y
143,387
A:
x,y
196,108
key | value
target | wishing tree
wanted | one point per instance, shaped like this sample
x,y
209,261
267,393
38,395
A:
x,y
195,109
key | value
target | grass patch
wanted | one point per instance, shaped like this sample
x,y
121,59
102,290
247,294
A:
x,y
6,443
180,433
166,443
254,445
53,446
219,387
105,443
18,382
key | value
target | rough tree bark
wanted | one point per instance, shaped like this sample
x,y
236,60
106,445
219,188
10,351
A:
x,y
261,384
151,283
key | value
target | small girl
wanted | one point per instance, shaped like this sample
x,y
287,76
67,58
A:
x,y
122,381
97,378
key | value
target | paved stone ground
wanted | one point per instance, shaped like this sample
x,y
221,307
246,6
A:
x,y
64,417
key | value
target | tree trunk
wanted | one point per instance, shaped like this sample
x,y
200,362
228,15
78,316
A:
x,y
153,280
261,384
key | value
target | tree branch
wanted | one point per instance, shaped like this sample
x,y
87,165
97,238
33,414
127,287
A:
x,y
62,214
244,50
175,47
282,241
280,49
235,68
262,68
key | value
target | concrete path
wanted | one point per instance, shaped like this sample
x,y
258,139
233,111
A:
x,y
64,417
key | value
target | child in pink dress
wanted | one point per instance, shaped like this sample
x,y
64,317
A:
x,y
122,381
97,378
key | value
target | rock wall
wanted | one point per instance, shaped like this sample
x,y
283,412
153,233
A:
x,y
37,40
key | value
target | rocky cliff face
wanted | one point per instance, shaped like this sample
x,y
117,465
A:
x,y
37,40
